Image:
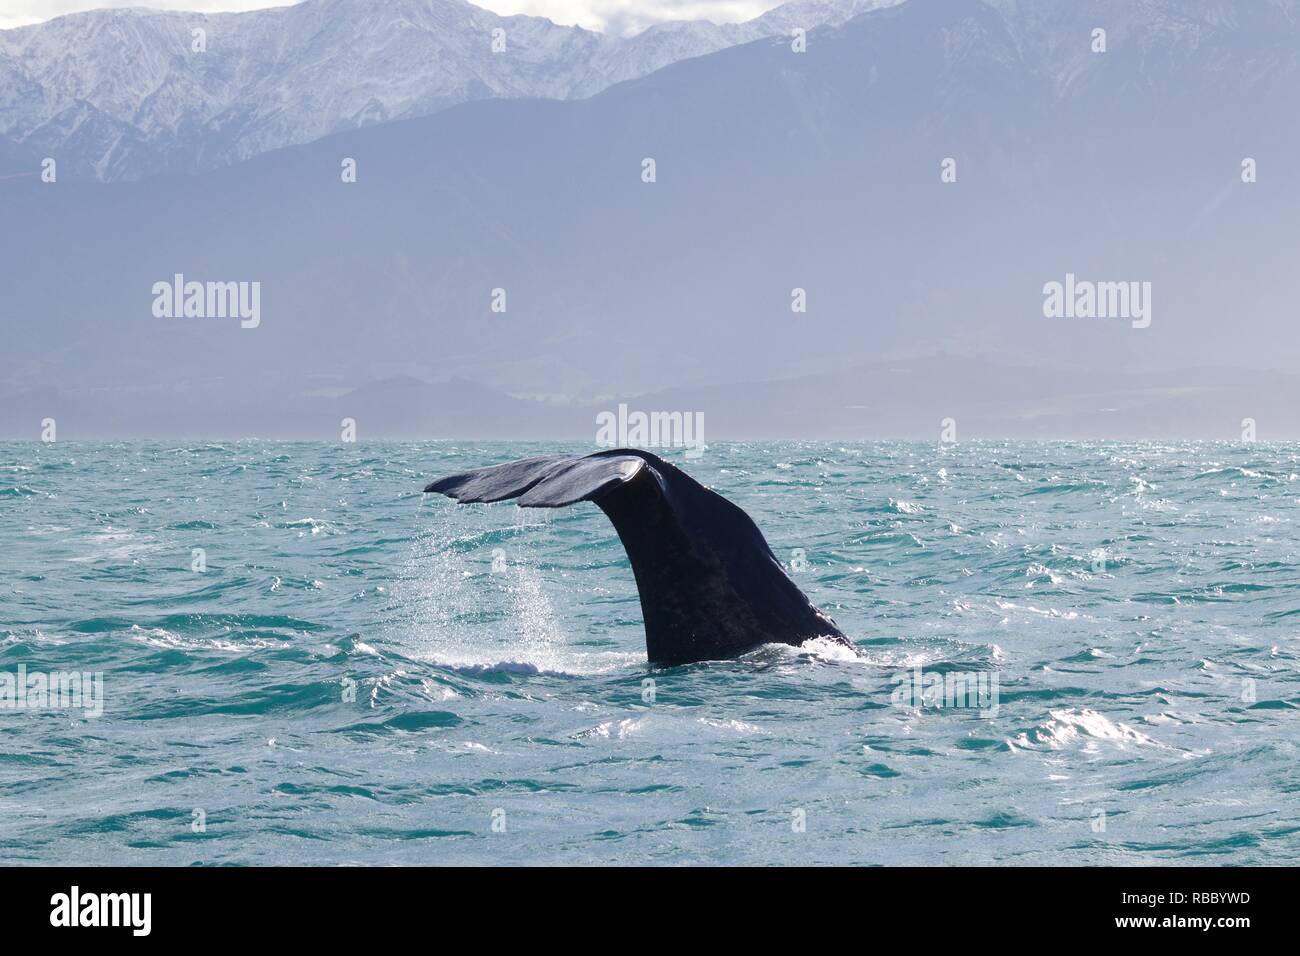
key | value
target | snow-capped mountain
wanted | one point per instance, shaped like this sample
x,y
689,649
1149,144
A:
x,y
122,94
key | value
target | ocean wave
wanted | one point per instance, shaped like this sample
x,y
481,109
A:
x,y
1085,729
1238,471
161,637
311,526
19,491
614,729
513,668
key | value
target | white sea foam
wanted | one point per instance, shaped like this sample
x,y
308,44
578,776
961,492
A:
x,y
311,525
615,729
1085,729
161,637
114,544
738,726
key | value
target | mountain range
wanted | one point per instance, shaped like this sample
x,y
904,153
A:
x,y
123,93
775,171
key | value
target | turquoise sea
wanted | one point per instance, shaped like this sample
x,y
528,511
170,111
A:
x,y
304,660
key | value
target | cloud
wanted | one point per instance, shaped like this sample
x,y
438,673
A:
x,y
610,16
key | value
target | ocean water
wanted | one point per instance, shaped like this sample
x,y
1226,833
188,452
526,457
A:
x,y
362,674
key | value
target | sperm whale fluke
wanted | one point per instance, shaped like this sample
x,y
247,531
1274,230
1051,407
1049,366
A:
x,y
710,586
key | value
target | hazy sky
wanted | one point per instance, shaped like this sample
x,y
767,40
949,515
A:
x,y
593,14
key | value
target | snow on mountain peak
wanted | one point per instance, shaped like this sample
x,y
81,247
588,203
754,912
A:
x,y
126,93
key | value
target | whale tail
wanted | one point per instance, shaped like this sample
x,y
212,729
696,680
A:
x,y
710,586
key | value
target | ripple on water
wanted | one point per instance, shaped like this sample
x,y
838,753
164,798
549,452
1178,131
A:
x,y
350,678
